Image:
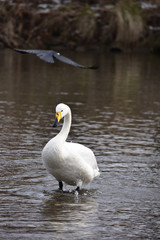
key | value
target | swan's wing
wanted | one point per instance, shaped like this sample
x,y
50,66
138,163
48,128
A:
x,y
71,62
49,55
81,153
46,55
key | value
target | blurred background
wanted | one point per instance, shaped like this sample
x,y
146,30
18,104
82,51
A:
x,y
116,25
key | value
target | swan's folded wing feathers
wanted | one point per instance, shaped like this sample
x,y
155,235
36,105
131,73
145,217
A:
x,y
84,153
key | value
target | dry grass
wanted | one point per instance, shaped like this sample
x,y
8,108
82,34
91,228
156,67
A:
x,y
129,23
86,23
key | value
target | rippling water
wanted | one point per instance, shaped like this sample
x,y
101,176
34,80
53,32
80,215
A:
x,y
116,112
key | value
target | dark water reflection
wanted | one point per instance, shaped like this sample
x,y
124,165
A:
x,y
116,113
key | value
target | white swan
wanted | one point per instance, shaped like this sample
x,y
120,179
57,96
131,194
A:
x,y
68,162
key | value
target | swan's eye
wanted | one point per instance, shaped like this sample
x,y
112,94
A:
x,y
61,110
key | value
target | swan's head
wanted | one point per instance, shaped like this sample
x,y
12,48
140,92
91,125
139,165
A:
x,y
61,111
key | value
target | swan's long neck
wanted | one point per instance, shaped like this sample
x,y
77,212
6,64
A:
x,y
63,134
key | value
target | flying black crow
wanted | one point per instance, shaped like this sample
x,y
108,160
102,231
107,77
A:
x,y
50,55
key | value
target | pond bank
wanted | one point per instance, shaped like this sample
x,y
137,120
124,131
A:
x,y
122,26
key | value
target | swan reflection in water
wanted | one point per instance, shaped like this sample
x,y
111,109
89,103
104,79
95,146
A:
x,y
66,214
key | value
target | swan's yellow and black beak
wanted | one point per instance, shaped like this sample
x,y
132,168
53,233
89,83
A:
x,y
58,118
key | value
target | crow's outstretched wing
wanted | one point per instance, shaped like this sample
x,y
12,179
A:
x,y
71,62
46,55
49,55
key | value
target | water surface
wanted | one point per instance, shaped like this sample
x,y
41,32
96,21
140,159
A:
x,y
116,112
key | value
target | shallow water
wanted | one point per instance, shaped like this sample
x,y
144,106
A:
x,y
116,112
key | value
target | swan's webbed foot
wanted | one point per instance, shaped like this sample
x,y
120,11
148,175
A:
x,y
61,185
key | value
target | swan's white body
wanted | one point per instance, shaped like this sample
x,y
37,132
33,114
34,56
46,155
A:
x,y
71,163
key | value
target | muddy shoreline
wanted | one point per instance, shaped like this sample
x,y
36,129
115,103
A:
x,y
123,25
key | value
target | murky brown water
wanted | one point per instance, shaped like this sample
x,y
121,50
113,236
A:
x,y
116,112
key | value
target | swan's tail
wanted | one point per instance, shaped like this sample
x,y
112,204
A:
x,y
96,172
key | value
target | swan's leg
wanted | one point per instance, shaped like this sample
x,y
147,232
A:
x,y
61,185
79,185
77,188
